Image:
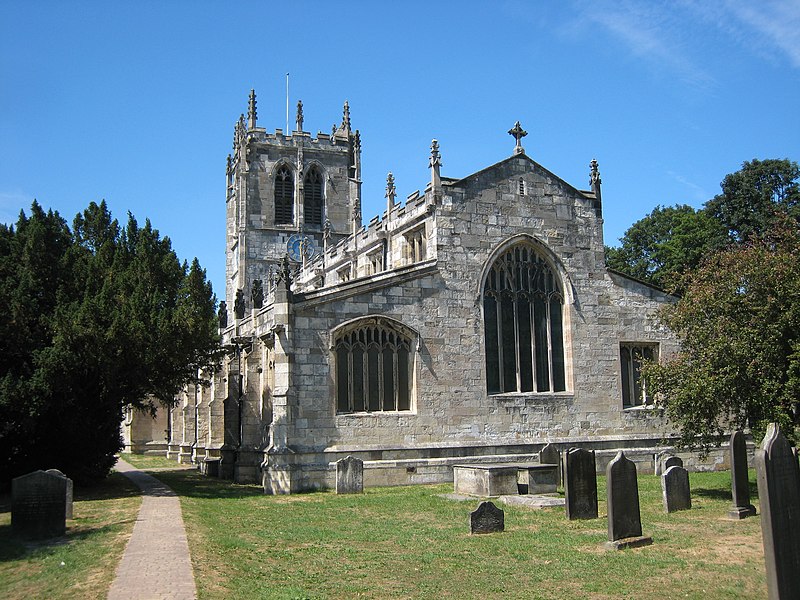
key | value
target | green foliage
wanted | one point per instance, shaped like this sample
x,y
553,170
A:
x,y
660,248
739,326
754,198
97,318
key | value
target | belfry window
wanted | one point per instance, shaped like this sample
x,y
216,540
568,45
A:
x,y
374,366
284,196
523,324
312,198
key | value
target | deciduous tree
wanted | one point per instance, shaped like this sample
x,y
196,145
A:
x,y
739,326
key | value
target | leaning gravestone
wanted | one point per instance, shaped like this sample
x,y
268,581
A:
x,y
740,484
580,484
675,489
779,497
624,520
349,475
69,490
39,505
549,455
487,518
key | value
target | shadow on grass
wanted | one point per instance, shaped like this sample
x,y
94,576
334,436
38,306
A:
x,y
13,547
724,494
192,484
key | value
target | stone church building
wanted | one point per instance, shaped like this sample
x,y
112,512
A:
x,y
474,322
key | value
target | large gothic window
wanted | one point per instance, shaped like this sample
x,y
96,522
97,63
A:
x,y
374,366
522,311
284,196
312,198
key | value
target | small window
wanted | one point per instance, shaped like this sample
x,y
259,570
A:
x,y
375,262
374,367
312,198
284,196
521,186
415,246
344,274
634,387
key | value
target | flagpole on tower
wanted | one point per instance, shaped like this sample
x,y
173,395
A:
x,y
287,103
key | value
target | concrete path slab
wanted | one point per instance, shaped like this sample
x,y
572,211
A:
x,y
156,563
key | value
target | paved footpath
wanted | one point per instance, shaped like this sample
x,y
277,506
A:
x,y
156,563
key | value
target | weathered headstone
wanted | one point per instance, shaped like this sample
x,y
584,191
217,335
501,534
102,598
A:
x,y
657,460
675,489
349,475
39,505
670,461
487,518
740,484
69,490
580,484
624,519
779,498
550,455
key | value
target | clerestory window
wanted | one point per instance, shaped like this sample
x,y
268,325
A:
x,y
414,250
523,324
284,196
312,197
634,387
374,367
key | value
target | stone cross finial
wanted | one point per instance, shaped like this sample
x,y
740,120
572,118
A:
x,y
299,115
251,110
518,133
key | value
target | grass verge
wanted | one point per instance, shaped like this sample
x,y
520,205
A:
x,y
409,542
80,564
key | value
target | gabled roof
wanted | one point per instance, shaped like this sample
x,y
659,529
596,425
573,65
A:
x,y
448,181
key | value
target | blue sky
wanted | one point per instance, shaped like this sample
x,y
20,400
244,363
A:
x,y
135,102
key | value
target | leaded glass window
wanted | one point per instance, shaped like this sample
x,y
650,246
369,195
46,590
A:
x,y
373,368
523,324
632,357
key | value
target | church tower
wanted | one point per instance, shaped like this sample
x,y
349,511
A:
x,y
287,193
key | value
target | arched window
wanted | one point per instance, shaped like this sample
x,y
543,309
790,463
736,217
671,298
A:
x,y
312,197
374,366
522,316
284,196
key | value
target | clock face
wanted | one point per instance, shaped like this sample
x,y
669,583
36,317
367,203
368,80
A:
x,y
300,245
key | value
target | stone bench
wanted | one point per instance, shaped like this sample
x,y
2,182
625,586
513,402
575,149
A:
x,y
504,479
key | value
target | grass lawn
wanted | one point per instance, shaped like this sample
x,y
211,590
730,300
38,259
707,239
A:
x,y
83,562
409,542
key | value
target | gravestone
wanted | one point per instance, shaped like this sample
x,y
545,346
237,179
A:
x,y
675,489
349,475
68,512
670,461
779,498
740,484
549,455
580,484
624,519
39,505
657,460
487,518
